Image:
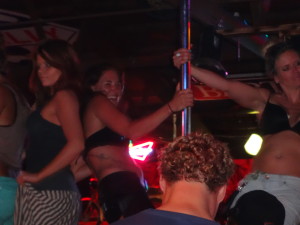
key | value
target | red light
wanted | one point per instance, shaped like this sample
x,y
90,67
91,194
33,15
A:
x,y
140,151
93,179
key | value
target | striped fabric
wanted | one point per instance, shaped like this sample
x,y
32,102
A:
x,y
49,207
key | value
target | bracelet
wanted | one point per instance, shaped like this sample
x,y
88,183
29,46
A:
x,y
171,110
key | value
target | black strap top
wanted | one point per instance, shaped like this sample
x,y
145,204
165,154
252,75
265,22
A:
x,y
275,119
104,137
46,140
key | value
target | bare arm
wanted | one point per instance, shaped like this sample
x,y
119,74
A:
x,y
7,107
109,115
67,111
80,169
243,94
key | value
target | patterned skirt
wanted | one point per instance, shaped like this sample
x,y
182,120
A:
x,y
47,207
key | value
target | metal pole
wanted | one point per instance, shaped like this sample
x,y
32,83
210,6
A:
x,y
186,68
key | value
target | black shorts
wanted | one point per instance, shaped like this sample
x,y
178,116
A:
x,y
121,194
257,208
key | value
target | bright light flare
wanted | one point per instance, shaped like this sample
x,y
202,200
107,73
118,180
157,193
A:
x,y
253,144
140,151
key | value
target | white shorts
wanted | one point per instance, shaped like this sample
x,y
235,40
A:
x,y
285,188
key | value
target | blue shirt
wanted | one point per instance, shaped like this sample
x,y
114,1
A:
x,y
161,217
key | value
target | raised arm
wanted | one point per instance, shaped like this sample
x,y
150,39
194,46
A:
x,y
67,111
243,94
110,116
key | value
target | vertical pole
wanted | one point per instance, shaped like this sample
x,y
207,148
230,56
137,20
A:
x,y
186,68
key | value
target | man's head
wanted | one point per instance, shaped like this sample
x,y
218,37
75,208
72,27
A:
x,y
197,157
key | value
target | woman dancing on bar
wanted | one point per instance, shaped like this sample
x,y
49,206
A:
x,y
48,193
107,131
276,168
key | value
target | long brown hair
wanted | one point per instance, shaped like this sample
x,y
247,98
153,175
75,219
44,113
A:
x,y
61,55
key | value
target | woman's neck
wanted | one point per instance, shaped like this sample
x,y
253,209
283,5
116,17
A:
x,y
292,95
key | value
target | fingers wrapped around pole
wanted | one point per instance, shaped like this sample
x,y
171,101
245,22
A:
x,y
185,68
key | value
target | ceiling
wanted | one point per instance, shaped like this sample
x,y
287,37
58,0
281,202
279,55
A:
x,y
141,35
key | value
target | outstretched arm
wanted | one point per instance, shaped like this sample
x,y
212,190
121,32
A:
x,y
243,94
109,115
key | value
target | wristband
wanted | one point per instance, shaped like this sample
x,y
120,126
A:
x,y
171,110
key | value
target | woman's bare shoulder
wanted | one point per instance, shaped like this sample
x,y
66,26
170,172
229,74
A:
x,y
98,99
65,93
265,93
65,99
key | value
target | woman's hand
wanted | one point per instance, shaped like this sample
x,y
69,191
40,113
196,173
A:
x,y
181,100
28,177
80,169
181,56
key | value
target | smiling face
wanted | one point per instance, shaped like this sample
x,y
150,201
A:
x,y
110,85
287,67
48,75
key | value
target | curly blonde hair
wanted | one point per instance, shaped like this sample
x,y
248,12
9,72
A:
x,y
196,157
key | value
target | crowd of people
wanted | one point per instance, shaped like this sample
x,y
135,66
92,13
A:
x,y
78,128
73,131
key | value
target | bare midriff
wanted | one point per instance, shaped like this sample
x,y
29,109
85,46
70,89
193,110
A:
x,y
280,154
105,160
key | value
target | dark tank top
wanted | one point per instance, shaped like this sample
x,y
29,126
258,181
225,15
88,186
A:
x,y
275,119
46,140
104,137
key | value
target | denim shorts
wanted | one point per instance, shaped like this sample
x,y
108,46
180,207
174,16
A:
x,y
285,188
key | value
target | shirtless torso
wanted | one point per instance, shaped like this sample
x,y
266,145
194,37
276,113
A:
x,y
280,153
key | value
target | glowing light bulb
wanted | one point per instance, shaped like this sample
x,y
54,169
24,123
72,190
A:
x,y
253,144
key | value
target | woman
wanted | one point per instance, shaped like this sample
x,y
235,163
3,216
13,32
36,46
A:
x,y
107,131
276,169
48,192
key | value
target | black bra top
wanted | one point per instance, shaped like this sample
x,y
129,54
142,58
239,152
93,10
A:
x,y
275,119
104,137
